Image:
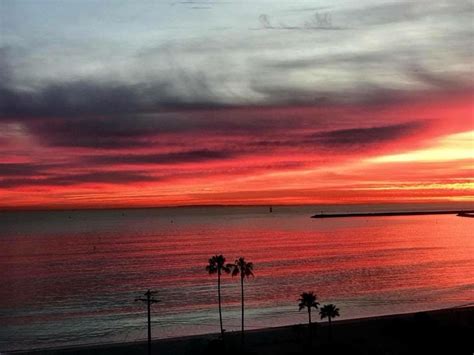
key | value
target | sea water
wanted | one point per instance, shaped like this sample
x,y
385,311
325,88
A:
x,y
71,278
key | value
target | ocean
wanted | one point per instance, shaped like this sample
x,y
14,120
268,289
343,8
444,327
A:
x,y
71,277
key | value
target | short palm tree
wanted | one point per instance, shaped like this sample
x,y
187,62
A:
x,y
308,300
329,311
245,270
217,266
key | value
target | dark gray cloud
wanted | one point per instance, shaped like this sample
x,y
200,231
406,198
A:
x,y
345,138
367,137
110,116
115,177
107,116
142,130
191,156
106,132
23,169
79,98
83,96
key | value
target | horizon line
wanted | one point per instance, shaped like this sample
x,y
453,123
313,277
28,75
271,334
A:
x,y
104,208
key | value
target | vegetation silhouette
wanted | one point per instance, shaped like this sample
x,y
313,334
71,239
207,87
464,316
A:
x,y
329,311
308,300
217,266
245,270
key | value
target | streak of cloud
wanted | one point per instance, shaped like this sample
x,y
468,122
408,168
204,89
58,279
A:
x,y
205,109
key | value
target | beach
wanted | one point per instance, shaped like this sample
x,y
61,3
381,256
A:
x,y
446,331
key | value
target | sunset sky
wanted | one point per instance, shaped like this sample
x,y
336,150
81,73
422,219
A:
x,y
139,103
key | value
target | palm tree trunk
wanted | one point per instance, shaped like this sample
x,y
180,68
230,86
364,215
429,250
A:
x,y
330,329
310,330
219,298
242,295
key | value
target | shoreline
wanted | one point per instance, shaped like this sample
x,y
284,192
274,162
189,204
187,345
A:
x,y
461,213
275,340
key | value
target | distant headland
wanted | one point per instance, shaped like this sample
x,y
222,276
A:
x,y
463,213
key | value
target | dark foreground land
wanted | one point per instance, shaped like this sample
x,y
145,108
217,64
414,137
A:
x,y
449,331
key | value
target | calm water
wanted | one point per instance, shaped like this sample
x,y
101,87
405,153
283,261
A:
x,y
70,278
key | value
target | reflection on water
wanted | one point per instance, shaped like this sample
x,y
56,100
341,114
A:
x,y
71,277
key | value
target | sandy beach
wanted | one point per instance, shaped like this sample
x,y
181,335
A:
x,y
446,331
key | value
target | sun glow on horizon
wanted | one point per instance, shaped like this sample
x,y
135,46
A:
x,y
459,146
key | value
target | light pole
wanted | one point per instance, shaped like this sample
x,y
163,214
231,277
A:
x,y
149,300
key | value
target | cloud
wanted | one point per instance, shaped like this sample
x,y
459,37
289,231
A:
x,y
318,21
37,175
192,156
308,9
105,132
86,116
92,97
346,138
233,70
405,11
231,106
101,177
123,131
22,169
339,139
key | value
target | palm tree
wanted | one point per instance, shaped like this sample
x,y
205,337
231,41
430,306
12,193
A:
x,y
329,311
245,270
308,300
216,266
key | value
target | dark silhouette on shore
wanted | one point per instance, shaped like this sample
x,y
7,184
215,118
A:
x,y
447,331
308,300
329,311
245,270
466,214
149,300
389,214
217,266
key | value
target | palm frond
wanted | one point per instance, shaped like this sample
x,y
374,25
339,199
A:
x,y
329,311
215,263
235,271
241,267
308,299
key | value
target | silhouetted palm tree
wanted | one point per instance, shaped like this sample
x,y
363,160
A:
x,y
329,311
245,270
217,266
308,300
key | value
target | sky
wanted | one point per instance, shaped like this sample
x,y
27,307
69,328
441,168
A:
x,y
164,103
